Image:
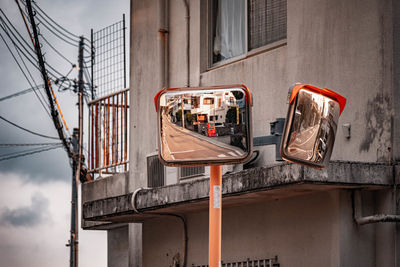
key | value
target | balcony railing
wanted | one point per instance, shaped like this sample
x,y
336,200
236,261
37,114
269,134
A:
x,y
109,133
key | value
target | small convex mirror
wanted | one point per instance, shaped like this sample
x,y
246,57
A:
x,y
311,124
204,125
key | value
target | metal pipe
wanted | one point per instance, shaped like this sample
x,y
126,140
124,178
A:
x,y
107,96
96,142
163,17
215,217
126,129
91,63
187,17
377,218
181,217
124,29
108,166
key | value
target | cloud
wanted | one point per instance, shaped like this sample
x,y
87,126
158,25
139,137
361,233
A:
x,y
43,243
27,216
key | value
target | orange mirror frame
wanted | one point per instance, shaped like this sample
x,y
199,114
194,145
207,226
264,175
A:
x,y
204,125
311,125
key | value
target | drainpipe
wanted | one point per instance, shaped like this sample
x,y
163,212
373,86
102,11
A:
x,y
377,218
187,17
181,217
163,25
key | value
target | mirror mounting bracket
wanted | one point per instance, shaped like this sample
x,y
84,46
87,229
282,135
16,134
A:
x,y
273,139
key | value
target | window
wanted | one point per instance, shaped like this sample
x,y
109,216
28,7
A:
x,y
208,101
239,26
155,171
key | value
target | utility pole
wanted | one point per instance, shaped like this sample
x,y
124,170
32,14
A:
x,y
77,142
73,241
77,139
46,80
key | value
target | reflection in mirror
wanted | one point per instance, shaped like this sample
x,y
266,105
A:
x,y
204,126
312,131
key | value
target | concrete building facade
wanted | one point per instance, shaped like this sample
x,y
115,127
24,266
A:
x,y
285,214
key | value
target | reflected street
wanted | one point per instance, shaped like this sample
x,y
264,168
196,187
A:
x,y
182,144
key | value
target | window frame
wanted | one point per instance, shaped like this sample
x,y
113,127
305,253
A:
x,y
210,35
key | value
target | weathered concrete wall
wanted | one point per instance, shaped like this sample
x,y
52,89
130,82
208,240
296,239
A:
x,y
105,187
308,230
345,45
301,231
144,84
117,245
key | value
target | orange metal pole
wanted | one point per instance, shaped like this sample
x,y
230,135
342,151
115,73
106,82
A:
x,y
215,212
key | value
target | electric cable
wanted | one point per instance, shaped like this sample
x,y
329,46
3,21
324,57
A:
x,y
31,59
21,151
17,32
29,131
42,18
23,72
22,92
31,144
29,50
54,114
57,35
58,52
30,153
25,20
63,79
9,31
44,13
17,48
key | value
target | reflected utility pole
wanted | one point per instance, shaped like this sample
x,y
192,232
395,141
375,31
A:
x,y
183,114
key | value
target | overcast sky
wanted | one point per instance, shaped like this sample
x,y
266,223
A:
x,y
35,191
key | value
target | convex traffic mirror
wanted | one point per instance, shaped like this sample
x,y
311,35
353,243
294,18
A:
x,y
311,124
204,125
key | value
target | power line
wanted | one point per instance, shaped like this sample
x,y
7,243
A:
x,y
58,52
41,97
28,51
16,31
32,144
23,72
55,28
22,151
30,58
29,153
29,131
54,113
44,13
21,92
56,34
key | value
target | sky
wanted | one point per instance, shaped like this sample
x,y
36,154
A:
x,y
35,191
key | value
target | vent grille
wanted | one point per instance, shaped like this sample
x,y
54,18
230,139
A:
x,y
155,172
187,172
273,262
267,22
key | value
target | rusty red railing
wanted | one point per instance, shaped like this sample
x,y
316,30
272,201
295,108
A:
x,y
109,133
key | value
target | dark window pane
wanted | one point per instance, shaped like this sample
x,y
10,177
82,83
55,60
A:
x,y
267,22
155,172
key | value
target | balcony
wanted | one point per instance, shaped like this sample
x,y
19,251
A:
x,y
108,142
